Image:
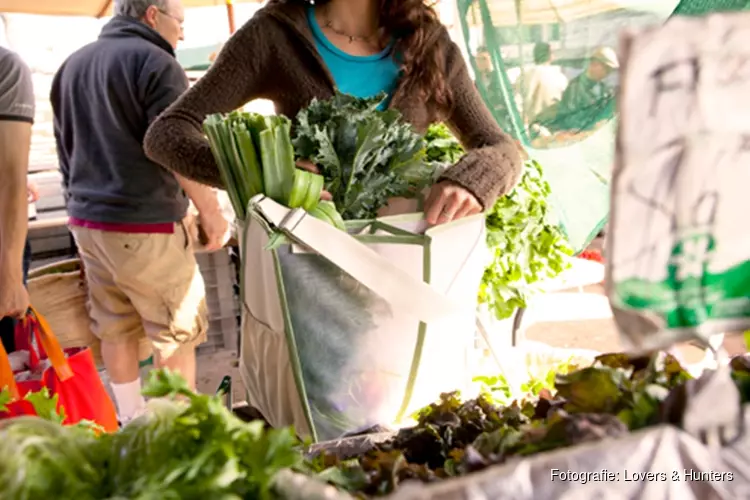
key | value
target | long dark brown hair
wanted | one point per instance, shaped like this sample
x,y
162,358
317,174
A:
x,y
421,56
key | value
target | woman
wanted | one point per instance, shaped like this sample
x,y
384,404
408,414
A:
x,y
292,51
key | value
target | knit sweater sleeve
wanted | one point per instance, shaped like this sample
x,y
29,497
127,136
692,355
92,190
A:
x,y
175,139
492,165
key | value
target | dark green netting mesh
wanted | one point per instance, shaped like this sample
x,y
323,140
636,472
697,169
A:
x,y
548,70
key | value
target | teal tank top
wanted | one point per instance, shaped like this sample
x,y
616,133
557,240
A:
x,y
360,76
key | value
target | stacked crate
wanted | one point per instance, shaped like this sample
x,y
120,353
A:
x,y
219,275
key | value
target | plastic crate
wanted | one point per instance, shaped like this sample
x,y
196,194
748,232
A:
x,y
223,333
222,301
211,260
218,276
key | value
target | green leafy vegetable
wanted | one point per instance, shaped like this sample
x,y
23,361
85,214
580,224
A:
x,y
443,149
617,394
365,155
196,449
41,459
45,405
5,398
526,247
539,385
193,447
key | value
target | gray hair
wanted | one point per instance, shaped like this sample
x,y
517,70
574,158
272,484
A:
x,y
137,8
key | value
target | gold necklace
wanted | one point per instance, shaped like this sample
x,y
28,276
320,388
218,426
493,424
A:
x,y
352,38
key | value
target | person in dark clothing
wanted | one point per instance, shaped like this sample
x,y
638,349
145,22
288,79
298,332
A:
x,y
128,214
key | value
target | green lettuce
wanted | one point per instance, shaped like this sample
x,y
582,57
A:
x,y
195,449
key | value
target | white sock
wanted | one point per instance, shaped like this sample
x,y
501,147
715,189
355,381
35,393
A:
x,y
129,400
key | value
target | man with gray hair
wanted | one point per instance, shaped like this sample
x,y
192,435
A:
x,y
128,214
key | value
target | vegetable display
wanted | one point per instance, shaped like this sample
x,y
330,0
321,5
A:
x,y
618,394
197,448
178,450
527,247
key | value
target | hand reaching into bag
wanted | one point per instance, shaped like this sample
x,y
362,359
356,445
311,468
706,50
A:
x,y
448,201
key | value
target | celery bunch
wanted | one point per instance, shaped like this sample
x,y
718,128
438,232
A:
x,y
254,154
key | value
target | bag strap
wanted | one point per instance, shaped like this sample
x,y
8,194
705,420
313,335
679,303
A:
x,y
48,344
48,340
362,263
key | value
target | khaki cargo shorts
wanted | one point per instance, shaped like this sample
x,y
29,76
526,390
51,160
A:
x,y
144,285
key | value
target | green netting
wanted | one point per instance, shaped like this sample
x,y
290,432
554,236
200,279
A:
x,y
548,70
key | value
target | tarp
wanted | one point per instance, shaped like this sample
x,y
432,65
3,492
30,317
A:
x,y
514,12
88,8
564,119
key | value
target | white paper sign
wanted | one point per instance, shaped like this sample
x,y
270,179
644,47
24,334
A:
x,y
679,246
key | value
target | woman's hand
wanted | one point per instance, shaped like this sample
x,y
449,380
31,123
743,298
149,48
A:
x,y
310,167
448,201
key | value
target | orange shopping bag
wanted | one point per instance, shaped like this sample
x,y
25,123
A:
x,y
72,376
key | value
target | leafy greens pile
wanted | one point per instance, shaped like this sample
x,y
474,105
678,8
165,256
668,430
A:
x,y
442,146
365,155
196,448
527,248
179,450
618,394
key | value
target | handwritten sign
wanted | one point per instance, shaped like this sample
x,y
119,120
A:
x,y
679,243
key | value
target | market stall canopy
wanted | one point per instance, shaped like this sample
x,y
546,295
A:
x,y
89,8
513,12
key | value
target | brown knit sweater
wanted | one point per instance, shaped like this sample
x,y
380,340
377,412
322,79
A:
x,y
273,56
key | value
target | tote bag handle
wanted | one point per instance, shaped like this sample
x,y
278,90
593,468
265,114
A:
x,y
358,260
48,342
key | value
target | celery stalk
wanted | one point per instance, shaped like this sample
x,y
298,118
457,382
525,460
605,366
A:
x,y
212,128
272,180
256,123
300,187
240,172
285,156
314,189
246,156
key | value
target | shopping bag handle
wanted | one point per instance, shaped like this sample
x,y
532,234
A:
x,y
358,260
48,340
